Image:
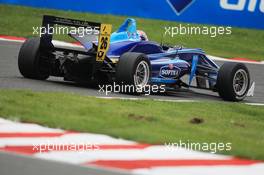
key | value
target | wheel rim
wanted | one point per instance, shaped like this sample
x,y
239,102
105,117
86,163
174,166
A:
x,y
240,82
141,76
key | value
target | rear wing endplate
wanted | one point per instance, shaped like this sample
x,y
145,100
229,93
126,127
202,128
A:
x,y
104,31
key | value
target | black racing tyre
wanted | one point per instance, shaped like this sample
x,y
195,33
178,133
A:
x,y
29,61
233,81
133,69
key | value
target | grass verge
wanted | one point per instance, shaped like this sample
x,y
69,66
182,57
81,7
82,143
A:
x,y
243,43
145,121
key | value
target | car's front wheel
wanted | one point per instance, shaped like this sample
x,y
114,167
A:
x,y
133,71
233,81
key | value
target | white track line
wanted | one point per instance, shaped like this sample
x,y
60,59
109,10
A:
x,y
9,40
166,100
135,99
230,60
55,42
255,104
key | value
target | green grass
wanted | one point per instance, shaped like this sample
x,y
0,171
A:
x,y
245,43
240,124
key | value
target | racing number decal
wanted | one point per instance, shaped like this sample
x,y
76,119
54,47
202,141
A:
x,y
103,42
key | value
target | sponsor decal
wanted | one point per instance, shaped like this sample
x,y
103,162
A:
x,y
170,71
243,5
178,6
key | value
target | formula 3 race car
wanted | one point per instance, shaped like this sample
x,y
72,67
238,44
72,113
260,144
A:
x,y
127,57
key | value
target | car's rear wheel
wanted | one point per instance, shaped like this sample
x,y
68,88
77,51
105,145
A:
x,y
30,63
134,70
233,81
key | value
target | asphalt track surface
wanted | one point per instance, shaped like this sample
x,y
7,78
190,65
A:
x,y
10,78
14,164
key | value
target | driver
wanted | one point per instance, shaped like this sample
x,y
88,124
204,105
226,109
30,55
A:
x,y
128,31
142,35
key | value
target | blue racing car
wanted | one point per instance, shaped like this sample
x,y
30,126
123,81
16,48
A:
x,y
128,58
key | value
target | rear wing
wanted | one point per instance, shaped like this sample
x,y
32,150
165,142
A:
x,y
103,31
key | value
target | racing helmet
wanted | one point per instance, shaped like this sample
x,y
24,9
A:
x,y
142,35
